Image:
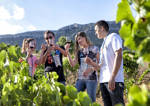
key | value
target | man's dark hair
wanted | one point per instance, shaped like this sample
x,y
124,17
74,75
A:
x,y
103,24
48,31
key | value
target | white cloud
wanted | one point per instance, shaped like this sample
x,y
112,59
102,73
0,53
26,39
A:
x,y
18,12
4,13
32,28
7,20
8,28
9,17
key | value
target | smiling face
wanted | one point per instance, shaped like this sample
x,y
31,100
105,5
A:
x,y
49,38
32,45
101,29
100,32
81,41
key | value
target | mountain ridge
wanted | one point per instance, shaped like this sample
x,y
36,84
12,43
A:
x,y
68,31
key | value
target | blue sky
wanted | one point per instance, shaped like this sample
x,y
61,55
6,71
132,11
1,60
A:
x,y
18,16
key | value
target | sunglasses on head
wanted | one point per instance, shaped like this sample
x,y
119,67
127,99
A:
x,y
50,37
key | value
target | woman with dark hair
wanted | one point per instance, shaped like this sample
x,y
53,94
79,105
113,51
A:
x,y
87,75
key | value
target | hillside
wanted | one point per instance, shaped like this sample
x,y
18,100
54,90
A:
x,y
69,31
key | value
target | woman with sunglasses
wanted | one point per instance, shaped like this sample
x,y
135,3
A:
x,y
53,56
87,75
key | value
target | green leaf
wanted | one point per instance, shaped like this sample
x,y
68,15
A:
x,y
137,96
118,105
84,99
53,75
66,99
62,88
95,104
3,55
126,34
126,29
124,12
76,103
3,46
134,89
71,91
144,49
12,53
147,5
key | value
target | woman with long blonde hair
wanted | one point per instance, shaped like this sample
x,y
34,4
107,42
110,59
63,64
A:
x,y
24,45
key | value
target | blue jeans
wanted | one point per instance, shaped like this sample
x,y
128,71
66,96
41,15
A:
x,y
90,85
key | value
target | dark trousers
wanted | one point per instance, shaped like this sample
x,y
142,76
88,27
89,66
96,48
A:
x,y
111,98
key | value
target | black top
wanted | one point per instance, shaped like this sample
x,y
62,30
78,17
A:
x,y
51,67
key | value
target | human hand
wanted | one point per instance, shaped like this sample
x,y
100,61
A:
x,y
49,49
20,60
86,72
88,60
67,46
111,84
43,47
55,47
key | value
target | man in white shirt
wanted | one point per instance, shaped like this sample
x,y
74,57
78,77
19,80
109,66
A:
x,y
111,69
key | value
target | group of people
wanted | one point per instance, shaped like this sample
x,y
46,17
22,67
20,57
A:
x,y
107,59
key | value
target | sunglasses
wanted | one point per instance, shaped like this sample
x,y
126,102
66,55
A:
x,y
50,37
68,42
31,47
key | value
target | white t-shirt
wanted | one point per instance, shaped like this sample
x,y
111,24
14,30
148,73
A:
x,y
111,43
